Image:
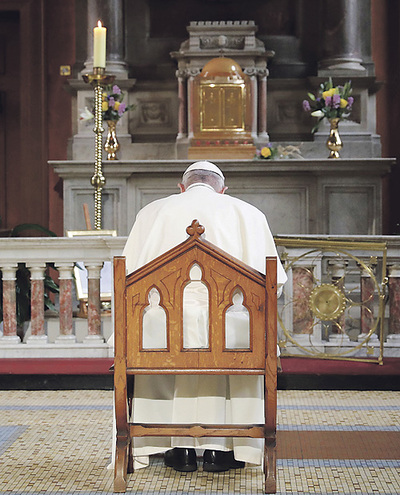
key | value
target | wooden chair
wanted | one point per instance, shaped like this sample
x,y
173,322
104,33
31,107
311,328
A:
x,y
169,274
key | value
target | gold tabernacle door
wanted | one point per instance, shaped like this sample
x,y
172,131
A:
x,y
222,112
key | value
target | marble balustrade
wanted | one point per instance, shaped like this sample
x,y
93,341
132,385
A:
x,y
65,334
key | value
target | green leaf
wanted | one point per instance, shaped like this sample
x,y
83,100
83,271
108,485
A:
x,y
311,96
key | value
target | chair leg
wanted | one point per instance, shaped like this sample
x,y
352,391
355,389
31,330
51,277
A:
x,y
270,464
130,457
121,465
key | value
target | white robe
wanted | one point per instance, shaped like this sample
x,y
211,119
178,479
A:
x,y
241,230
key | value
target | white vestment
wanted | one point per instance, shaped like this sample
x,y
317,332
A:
x,y
241,230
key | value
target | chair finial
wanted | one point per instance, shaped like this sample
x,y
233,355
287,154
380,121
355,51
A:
x,y
195,229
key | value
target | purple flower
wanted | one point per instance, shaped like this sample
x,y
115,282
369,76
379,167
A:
x,y
111,101
328,101
350,101
306,106
116,90
336,101
121,109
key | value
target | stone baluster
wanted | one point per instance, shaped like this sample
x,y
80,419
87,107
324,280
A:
x,y
341,35
367,300
337,271
303,281
394,305
9,305
182,112
111,13
38,334
66,325
94,303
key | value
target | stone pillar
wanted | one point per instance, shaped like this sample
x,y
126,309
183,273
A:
x,y
262,108
337,271
66,324
182,112
303,282
38,335
254,102
9,305
111,14
190,102
94,304
367,302
394,304
341,35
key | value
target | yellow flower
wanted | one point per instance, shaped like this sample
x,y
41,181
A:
x,y
265,152
343,103
104,106
116,105
330,92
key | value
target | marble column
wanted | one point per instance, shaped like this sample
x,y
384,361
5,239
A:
x,y
254,101
394,304
192,73
303,282
9,305
337,271
111,14
38,335
182,111
341,34
66,322
94,304
367,302
262,109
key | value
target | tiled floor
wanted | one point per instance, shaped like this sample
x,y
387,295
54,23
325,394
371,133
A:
x,y
329,442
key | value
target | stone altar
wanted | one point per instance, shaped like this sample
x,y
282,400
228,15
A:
x,y
329,197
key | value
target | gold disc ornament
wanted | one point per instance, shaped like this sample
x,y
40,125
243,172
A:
x,y
327,302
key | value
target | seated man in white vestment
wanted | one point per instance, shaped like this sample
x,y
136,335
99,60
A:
x,y
241,230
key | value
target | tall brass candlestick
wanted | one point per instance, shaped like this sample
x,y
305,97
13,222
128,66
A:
x,y
98,80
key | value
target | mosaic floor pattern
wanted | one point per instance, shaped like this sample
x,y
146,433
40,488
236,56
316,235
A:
x,y
329,442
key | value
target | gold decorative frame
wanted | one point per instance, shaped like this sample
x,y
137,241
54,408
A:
x,y
328,302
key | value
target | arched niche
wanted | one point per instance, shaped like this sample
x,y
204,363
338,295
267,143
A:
x,y
195,311
237,323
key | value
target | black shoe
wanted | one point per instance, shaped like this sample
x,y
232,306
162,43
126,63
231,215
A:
x,y
216,461
180,459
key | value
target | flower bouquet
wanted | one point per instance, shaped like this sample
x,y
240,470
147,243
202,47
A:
x,y
332,102
113,106
266,153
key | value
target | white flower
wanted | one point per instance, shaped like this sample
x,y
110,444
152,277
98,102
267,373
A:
x,y
86,115
317,113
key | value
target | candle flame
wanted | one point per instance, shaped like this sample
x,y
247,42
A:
x,y
99,24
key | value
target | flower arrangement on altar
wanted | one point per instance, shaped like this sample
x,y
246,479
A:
x,y
332,102
112,105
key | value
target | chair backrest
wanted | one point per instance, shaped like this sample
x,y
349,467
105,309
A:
x,y
225,279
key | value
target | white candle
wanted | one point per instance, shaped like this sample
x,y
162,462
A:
x,y
99,46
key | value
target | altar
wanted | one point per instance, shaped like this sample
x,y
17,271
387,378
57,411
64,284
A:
x,y
313,196
178,121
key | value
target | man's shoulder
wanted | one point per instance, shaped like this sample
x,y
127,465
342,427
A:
x,y
158,203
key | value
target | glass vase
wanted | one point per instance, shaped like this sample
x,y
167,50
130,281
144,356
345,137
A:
x,y
111,145
334,142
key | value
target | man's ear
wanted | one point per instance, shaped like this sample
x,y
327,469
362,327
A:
x,y
223,189
181,187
